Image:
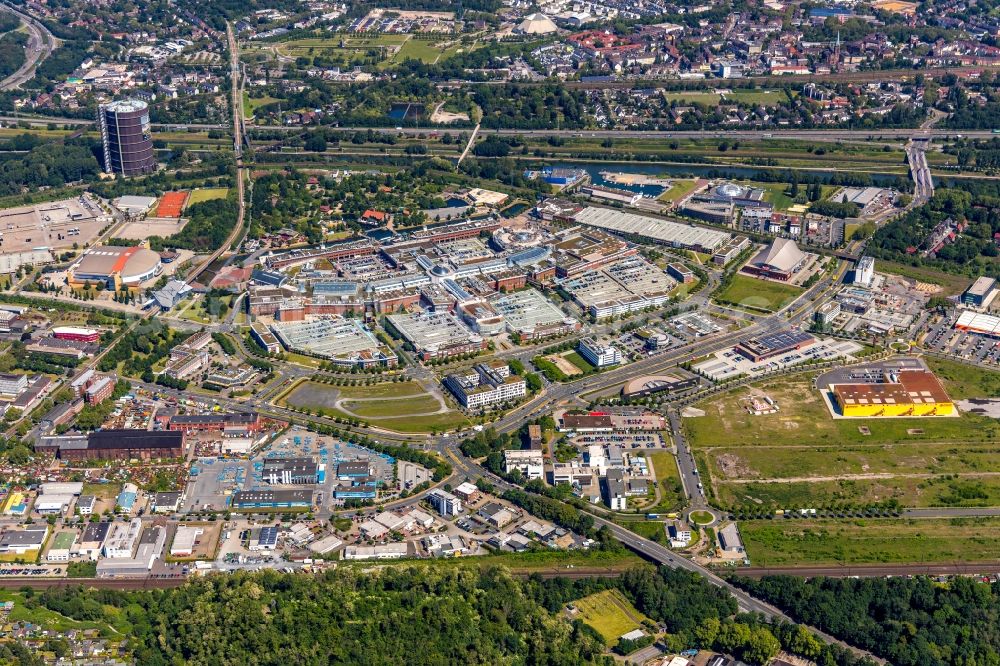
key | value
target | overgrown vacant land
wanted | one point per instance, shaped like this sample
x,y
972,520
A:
x,y
793,542
800,457
610,614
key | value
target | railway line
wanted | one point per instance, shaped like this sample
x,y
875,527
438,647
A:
x,y
42,583
875,570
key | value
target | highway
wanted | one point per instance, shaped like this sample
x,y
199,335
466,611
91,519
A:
x,y
40,45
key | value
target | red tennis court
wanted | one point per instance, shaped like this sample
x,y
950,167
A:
x,y
171,204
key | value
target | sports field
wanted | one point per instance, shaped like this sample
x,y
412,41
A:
x,y
760,294
172,204
207,194
610,614
765,97
694,97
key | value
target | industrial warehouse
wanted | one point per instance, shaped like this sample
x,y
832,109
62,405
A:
x,y
906,390
115,444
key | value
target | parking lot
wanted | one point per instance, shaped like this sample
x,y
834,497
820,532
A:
x,y
638,440
728,364
943,338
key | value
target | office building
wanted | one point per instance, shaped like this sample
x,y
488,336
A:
x,y
444,502
487,384
599,356
864,272
12,384
529,463
614,490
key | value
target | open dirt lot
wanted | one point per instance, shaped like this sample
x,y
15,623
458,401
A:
x,y
50,224
154,226
564,364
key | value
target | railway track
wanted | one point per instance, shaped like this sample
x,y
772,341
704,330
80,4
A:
x,y
42,583
876,570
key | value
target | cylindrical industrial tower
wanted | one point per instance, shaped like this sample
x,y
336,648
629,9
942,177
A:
x,y
127,139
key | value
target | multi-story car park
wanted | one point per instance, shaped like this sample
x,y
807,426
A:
x,y
436,334
681,236
345,341
530,315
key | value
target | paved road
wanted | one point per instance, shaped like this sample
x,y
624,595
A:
x,y
40,45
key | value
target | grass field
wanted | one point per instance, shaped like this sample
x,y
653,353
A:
x,y
610,614
398,48
381,408
250,104
756,96
405,410
678,190
425,51
207,194
793,542
800,457
579,361
760,294
775,193
701,517
965,381
654,530
668,480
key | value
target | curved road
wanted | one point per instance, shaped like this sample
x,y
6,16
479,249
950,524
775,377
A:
x,y
40,45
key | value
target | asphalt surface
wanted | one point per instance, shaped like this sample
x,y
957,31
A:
x,y
40,45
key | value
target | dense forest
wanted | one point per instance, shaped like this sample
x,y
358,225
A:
x,y
11,52
399,616
908,621
209,223
46,164
422,615
973,252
